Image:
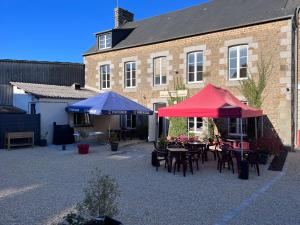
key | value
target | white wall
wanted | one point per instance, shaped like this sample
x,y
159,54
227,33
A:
x,y
53,110
21,99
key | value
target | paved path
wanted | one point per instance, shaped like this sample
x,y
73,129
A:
x,y
37,186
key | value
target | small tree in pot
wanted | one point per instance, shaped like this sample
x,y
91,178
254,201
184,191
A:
x,y
113,141
83,148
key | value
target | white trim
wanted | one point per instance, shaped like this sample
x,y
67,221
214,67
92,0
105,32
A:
x,y
107,44
195,67
195,131
106,74
238,59
130,74
160,71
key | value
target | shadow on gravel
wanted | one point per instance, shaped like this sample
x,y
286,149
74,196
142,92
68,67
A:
x,y
278,161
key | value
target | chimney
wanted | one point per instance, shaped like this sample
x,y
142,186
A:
x,y
122,16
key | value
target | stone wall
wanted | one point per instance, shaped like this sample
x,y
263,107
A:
x,y
269,40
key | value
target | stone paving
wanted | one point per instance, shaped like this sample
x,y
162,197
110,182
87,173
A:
x,y
39,185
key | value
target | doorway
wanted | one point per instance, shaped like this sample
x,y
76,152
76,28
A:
x,y
161,124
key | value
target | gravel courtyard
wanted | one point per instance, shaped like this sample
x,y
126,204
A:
x,y
39,185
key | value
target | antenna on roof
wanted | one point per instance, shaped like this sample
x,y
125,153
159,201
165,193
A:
x,y
117,3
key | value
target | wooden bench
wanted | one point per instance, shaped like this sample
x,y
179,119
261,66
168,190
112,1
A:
x,y
28,136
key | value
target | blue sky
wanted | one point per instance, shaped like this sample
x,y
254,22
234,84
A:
x,y
62,30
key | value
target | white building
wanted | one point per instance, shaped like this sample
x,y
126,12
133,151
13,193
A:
x,y
50,101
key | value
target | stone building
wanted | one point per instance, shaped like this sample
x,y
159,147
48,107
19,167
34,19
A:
x,y
219,42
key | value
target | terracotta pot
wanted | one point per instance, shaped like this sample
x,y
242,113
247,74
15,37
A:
x,y
83,149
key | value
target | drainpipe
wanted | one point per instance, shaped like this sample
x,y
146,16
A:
x,y
295,43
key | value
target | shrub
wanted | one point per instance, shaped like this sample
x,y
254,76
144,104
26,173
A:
x,y
100,196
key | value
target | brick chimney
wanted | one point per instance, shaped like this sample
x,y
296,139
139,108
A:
x,y
122,16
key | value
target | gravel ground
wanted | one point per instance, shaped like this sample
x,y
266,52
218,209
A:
x,y
39,185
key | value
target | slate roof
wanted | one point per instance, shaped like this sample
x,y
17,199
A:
x,y
54,91
212,16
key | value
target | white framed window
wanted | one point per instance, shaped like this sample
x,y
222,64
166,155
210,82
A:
x,y
195,124
105,41
130,74
129,121
105,76
234,126
82,119
238,62
195,66
160,71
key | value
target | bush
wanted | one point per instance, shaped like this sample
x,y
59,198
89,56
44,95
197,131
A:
x,y
100,196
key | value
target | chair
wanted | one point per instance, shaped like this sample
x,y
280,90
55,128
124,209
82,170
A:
x,y
253,159
161,155
224,157
183,158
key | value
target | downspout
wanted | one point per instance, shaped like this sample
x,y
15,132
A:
x,y
294,74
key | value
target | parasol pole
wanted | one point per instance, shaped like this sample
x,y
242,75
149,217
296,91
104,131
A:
x,y
241,130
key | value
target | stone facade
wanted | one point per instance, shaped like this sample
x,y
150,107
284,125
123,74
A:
x,y
269,40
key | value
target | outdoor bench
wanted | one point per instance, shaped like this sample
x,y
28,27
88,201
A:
x,y
28,138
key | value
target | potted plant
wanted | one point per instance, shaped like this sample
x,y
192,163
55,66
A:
x,y
99,204
162,142
83,148
43,141
113,141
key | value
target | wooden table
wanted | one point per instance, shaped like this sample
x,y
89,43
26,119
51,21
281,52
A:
x,y
28,136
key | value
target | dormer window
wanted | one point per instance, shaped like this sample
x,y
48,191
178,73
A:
x,y
105,41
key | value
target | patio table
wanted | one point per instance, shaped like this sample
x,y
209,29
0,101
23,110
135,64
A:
x,y
175,153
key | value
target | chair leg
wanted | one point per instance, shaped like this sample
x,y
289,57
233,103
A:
x,y
191,166
257,168
232,166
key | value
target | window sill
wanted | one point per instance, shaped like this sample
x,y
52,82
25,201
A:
x,y
83,125
238,79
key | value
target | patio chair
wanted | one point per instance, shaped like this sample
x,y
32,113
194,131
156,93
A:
x,y
159,156
253,159
224,157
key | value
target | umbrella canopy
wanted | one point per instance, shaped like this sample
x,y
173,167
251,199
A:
x,y
212,102
109,103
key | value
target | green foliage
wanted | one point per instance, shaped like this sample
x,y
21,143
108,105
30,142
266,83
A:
x,y
162,142
253,91
100,196
83,134
113,137
211,129
178,126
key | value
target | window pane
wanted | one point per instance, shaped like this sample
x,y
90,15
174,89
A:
x,y
108,84
233,52
133,66
164,79
243,51
191,68
243,62
233,74
199,68
199,57
133,74
199,76
191,77
243,72
156,80
133,82
127,67
127,83
233,63
156,67
191,58
163,65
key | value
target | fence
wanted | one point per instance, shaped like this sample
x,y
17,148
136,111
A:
x,y
19,123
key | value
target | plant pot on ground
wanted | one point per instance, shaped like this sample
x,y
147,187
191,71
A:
x,y
113,141
43,141
83,148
